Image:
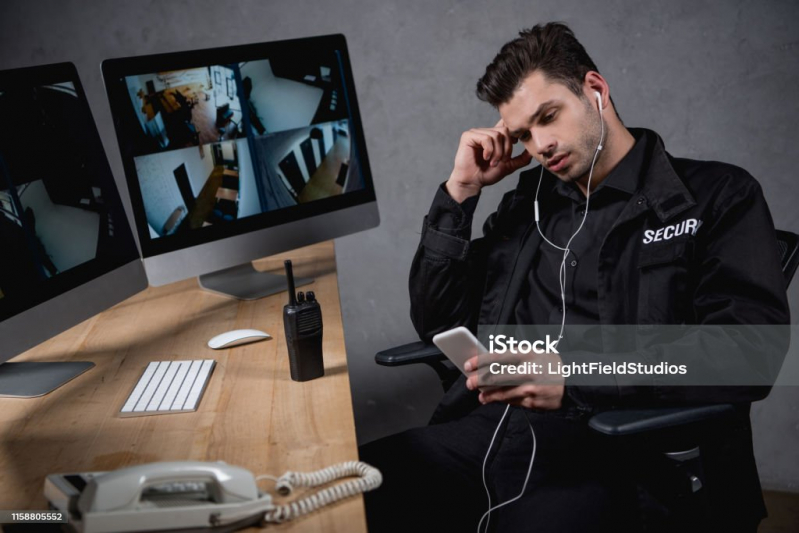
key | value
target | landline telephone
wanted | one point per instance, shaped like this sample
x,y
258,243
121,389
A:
x,y
192,495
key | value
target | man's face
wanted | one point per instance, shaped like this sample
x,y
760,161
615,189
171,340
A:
x,y
559,129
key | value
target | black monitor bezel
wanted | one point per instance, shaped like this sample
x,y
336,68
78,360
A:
x,y
114,72
94,268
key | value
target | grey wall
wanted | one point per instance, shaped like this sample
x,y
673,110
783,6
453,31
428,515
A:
x,y
717,81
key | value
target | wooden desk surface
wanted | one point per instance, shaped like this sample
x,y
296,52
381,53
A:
x,y
252,415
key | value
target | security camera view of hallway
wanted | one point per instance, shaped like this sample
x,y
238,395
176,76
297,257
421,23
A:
x,y
184,108
293,92
62,236
298,111
302,165
196,187
53,212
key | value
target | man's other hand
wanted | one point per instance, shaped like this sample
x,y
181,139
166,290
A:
x,y
484,157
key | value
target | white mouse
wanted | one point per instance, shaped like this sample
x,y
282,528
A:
x,y
237,337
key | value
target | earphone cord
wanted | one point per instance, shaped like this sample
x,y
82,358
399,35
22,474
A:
x,y
566,250
562,280
369,479
487,515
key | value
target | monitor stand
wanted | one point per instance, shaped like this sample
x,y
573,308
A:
x,y
29,380
246,283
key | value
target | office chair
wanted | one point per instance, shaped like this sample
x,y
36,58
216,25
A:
x,y
669,427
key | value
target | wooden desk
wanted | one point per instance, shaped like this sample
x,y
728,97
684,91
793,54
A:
x,y
252,414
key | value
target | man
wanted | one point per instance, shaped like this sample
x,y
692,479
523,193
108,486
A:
x,y
664,241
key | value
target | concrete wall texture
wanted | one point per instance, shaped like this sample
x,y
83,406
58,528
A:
x,y
717,80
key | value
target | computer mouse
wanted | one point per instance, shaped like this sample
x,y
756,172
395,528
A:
x,y
237,337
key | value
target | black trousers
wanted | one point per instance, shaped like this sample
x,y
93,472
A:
x,y
433,476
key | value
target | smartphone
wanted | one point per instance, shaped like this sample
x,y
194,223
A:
x,y
459,345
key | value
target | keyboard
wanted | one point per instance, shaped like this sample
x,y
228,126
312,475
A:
x,y
169,387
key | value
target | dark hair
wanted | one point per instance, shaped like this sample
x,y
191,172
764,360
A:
x,y
551,48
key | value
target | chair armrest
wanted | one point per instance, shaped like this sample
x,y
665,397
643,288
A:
x,y
409,354
624,422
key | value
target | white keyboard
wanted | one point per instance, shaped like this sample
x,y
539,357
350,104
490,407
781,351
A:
x,y
169,387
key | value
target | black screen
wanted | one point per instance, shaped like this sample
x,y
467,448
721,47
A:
x,y
61,219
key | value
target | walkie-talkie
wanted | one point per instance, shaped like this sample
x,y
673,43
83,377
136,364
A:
x,y
302,319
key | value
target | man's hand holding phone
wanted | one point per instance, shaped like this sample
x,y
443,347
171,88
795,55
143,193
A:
x,y
544,391
484,158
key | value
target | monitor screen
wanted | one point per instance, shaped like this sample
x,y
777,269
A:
x,y
68,251
223,142
62,223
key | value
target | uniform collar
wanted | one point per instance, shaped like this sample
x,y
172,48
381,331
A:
x,y
656,185
664,191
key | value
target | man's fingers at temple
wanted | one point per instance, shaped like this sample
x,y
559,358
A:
x,y
487,143
509,141
498,141
501,141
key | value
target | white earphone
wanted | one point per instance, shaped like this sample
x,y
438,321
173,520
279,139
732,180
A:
x,y
602,135
562,278
565,249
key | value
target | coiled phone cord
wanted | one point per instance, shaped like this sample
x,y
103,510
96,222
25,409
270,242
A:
x,y
370,479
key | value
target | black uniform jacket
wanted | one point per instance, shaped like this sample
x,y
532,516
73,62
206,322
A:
x,y
722,269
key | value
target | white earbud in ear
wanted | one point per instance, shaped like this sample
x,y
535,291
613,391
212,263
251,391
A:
x,y
601,121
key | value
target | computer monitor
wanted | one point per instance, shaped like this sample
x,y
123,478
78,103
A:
x,y
68,251
236,153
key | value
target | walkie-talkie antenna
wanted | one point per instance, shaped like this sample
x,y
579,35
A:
x,y
290,279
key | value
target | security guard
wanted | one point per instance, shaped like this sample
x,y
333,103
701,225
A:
x,y
652,239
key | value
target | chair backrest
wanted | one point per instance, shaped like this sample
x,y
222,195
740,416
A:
x,y
788,244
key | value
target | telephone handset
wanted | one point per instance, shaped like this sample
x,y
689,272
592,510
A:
x,y
139,485
192,494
